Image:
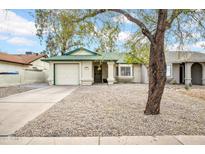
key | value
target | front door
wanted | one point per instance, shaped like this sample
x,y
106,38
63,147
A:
x,y
182,74
97,74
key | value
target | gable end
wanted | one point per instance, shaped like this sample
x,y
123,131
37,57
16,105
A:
x,y
82,51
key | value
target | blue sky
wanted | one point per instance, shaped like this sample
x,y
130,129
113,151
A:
x,y
17,33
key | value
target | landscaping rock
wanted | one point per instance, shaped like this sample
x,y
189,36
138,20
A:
x,y
117,110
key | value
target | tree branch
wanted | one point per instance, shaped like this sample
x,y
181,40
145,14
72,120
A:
x,y
174,15
90,14
144,29
142,26
198,21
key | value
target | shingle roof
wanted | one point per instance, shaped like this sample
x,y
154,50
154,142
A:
x,y
184,56
20,59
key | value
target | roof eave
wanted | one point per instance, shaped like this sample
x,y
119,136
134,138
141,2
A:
x,y
48,60
15,62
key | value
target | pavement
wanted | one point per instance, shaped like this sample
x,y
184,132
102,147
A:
x,y
49,94
123,140
16,110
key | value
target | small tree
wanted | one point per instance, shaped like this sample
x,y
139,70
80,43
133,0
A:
x,y
63,30
137,53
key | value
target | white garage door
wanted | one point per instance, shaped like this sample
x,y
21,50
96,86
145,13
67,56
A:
x,y
66,74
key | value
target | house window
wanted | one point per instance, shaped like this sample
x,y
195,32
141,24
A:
x,y
168,73
125,71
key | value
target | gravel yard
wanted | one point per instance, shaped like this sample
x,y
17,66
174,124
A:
x,y
117,110
6,91
195,91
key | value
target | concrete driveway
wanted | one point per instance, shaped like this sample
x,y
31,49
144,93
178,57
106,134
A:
x,y
16,110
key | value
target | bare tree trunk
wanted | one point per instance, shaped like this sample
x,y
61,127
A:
x,y
63,50
157,67
157,79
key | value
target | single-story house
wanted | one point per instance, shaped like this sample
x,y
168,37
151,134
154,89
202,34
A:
x,y
186,67
84,67
22,68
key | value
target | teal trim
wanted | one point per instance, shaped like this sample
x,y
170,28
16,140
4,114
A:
x,y
111,56
104,56
78,49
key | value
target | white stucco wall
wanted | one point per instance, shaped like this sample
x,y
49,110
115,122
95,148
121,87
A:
x,y
34,76
40,64
11,79
86,73
23,76
81,52
175,72
144,74
137,73
50,78
9,67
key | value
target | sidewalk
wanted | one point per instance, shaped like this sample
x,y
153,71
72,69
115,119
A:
x,y
123,140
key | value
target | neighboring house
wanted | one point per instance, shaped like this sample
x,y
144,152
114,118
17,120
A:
x,y
85,67
21,69
186,67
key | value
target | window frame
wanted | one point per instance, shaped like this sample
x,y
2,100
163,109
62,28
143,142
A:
x,y
122,66
169,70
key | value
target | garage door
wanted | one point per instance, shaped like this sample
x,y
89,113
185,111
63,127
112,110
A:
x,y
66,74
